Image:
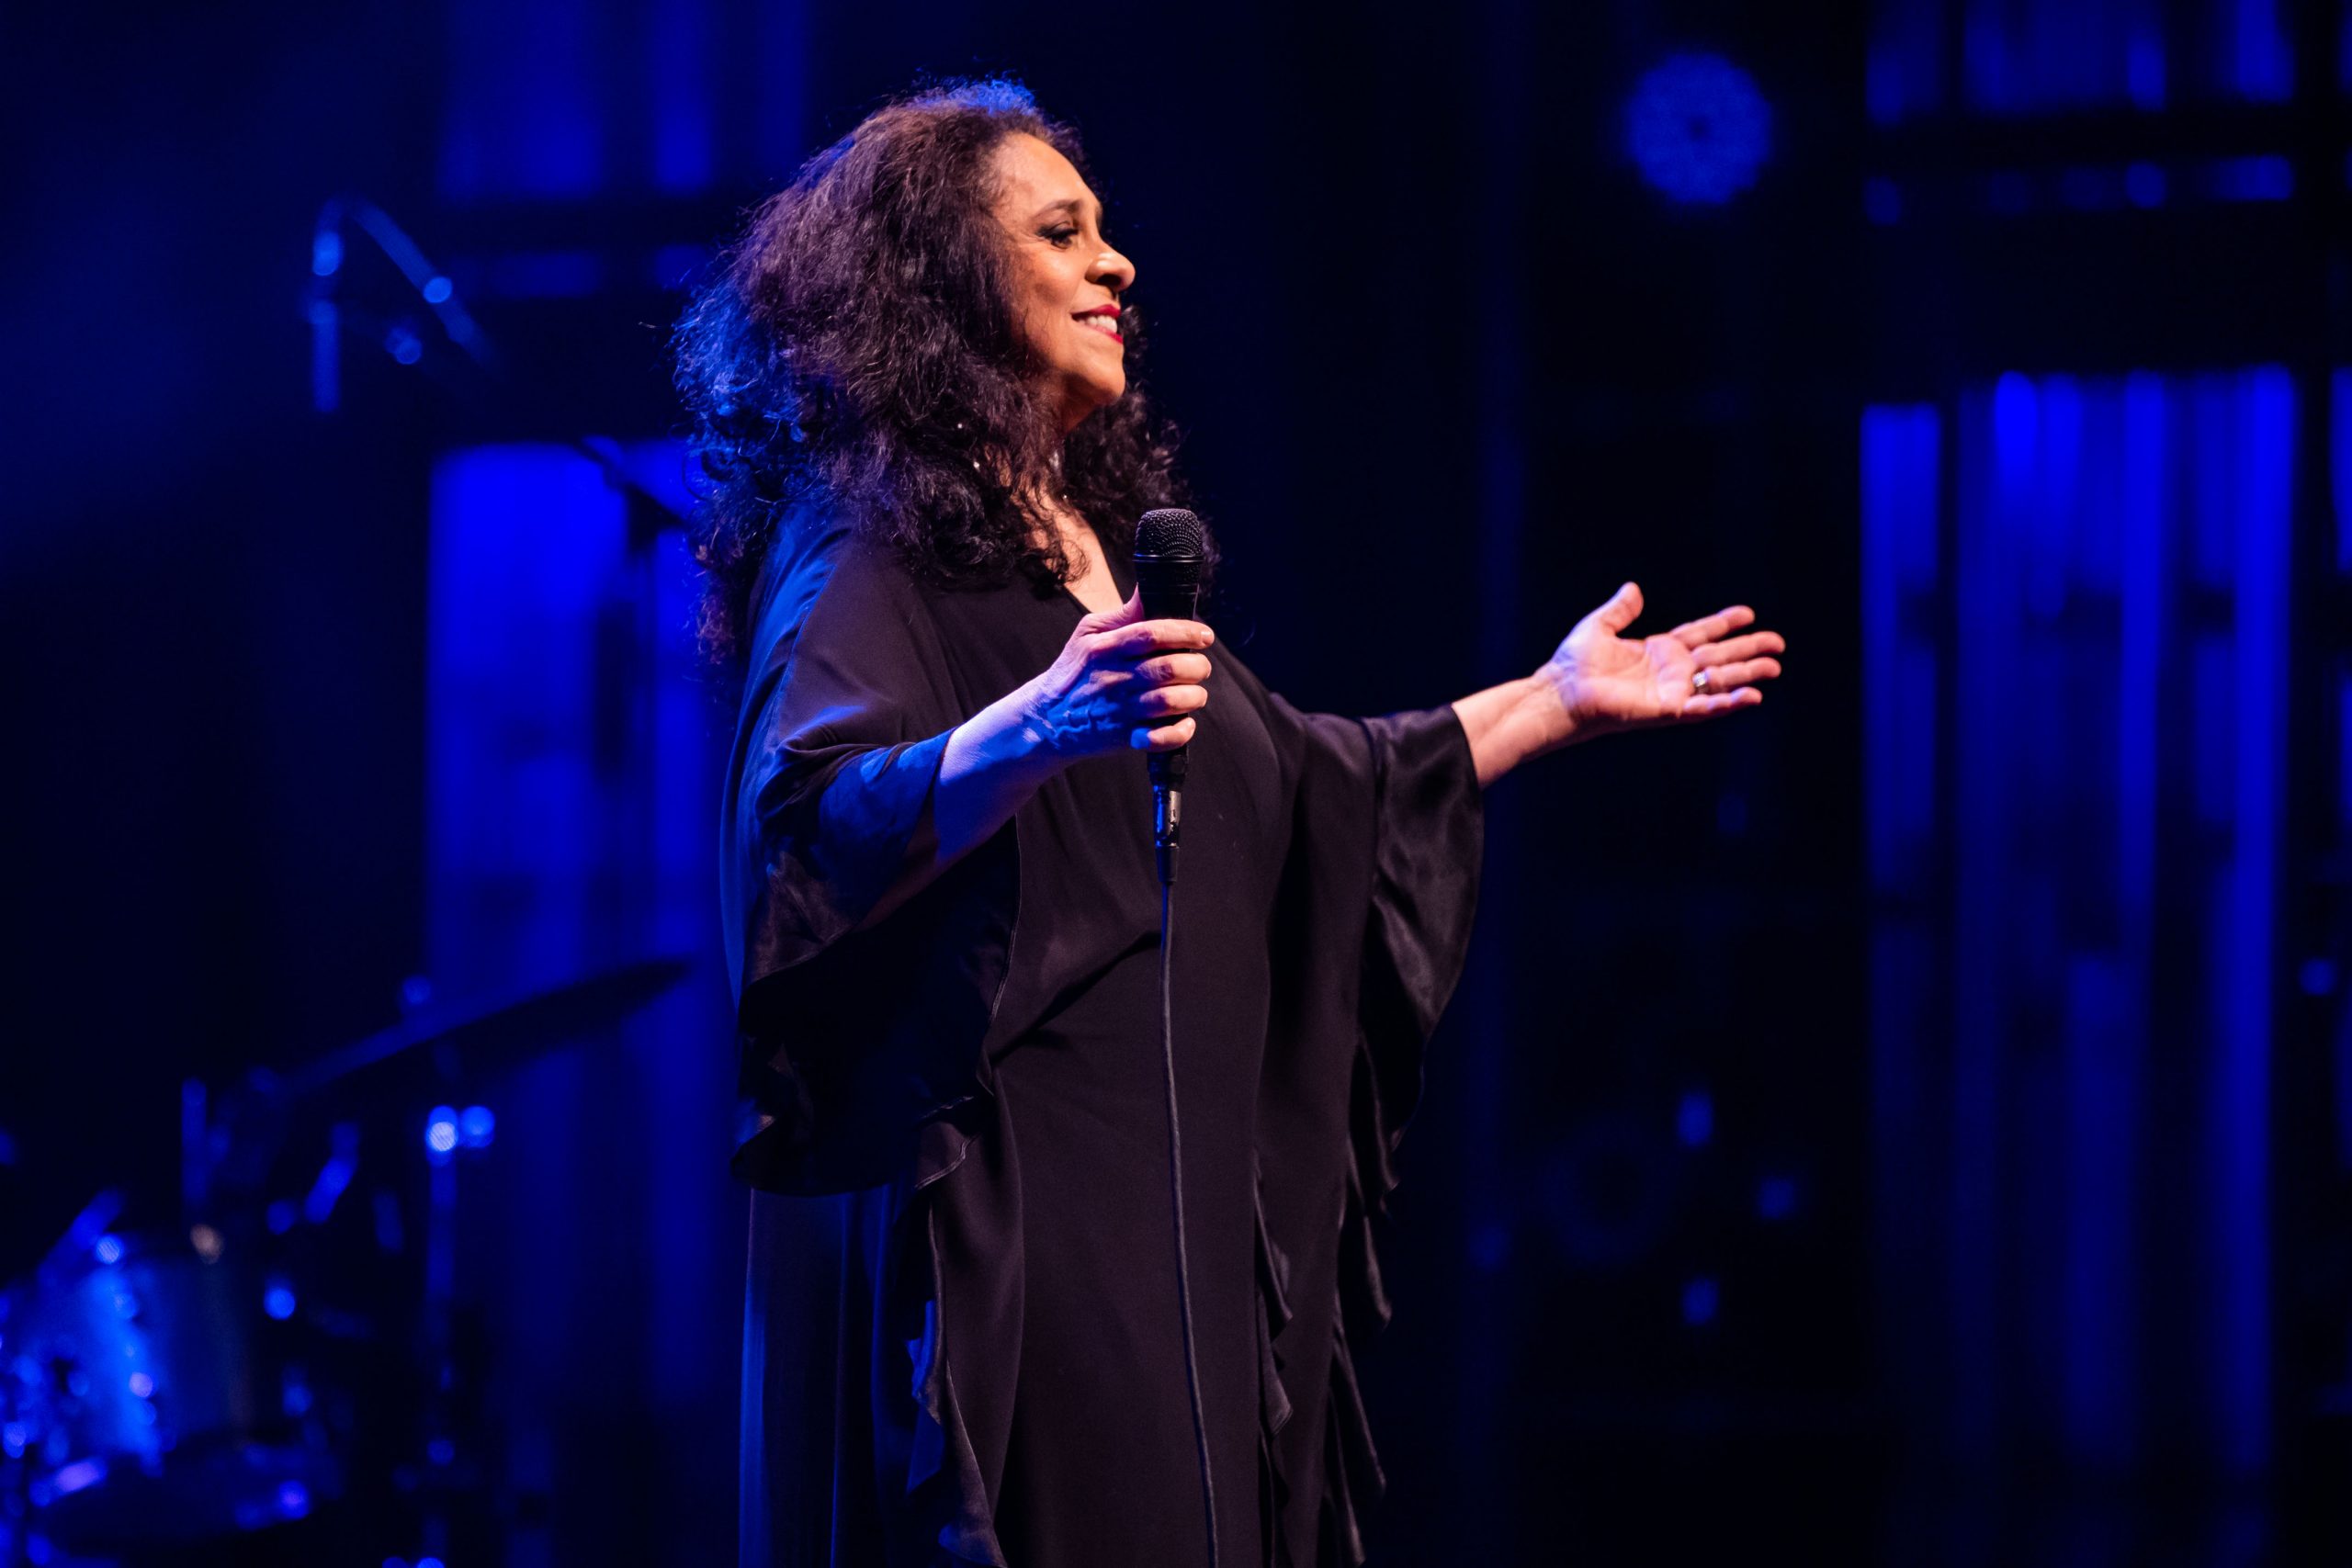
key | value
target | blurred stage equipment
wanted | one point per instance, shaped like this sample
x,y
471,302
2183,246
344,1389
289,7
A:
x,y
138,1377
169,1387
398,333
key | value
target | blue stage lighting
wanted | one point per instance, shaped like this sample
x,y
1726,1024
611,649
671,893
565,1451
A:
x,y
440,1130
436,290
1695,1120
476,1126
2267,178
1775,1197
1700,1297
75,1477
1698,128
109,1250
279,1300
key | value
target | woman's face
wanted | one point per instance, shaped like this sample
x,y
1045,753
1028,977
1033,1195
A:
x,y
1065,278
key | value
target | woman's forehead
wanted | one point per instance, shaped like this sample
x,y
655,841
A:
x,y
1034,175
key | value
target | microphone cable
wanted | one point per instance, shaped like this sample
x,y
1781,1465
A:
x,y
1176,1207
1171,562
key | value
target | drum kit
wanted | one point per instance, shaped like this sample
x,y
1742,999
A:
x,y
183,1393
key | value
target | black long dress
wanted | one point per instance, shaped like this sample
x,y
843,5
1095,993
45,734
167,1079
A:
x,y
962,1337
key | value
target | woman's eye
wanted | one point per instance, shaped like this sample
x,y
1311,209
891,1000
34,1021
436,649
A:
x,y
1062,236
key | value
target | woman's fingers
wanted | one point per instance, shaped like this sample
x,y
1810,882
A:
x,y
1722,702
1732,649
1122,679
1174,667
1743,673
1708,628
1163,700
1164,738
1623,608
1147,637
1100,621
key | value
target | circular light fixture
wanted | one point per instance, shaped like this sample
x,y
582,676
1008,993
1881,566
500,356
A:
x,y
1698,128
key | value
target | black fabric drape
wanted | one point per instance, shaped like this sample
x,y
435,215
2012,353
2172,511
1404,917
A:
x,y
958,1334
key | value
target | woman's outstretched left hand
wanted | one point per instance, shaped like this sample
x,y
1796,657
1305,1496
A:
x,y
1599,680
1607,681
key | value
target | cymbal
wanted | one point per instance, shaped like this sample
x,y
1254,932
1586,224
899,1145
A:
x,y
496,1030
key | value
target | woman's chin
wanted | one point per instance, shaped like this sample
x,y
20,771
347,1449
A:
x,y
1085,401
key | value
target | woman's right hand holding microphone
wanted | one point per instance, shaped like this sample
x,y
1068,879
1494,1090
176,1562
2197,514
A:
x,y
1120,678
1113,686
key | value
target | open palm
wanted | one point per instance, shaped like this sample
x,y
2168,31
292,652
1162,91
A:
x,y
1609,681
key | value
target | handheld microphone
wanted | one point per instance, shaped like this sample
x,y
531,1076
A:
x,y
1169,563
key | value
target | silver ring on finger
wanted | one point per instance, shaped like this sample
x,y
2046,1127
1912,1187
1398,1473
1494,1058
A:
x,y
1700,683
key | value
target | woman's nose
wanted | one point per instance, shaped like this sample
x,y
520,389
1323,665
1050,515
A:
x,y
1113,271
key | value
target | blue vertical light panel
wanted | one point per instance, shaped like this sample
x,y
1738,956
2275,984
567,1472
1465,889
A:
x,y
574,757
2244,940
685,116
2104,791
523,115
1905,77
548,101
1902,487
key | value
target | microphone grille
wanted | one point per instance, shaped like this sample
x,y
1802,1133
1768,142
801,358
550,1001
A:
x,y
1169,532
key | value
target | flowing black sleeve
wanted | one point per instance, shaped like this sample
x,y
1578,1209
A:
x,y
854,1031
1380,884
1390,806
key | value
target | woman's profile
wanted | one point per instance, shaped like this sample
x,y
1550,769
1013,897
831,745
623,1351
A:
x,y
912,387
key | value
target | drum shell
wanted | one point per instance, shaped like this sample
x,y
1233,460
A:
x,y
133,1358
152,1403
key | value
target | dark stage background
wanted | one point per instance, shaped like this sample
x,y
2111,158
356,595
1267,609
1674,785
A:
x,y
1906,1126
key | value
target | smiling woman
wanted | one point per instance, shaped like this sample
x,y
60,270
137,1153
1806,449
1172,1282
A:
x,y
969,1327
1066,275
1067,283
887,373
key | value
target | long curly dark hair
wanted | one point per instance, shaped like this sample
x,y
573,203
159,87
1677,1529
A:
x,y
857,350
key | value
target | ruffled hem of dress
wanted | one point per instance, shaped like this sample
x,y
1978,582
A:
x,y
1273,1396
1352,1477
1416,942
943,1475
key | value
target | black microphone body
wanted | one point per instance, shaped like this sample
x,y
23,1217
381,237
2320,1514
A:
x,y
1171,563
